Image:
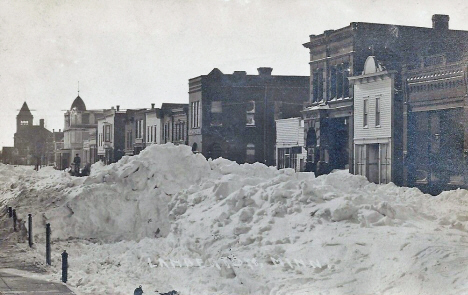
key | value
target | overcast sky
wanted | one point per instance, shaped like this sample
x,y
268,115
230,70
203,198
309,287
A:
x,y
134,53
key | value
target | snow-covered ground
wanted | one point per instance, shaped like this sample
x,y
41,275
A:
x,y
170,220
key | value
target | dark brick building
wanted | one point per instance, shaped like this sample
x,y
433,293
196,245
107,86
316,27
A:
x,y
30,140
233,115
336,55
110,135
436,108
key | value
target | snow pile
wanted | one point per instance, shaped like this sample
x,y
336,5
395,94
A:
x,y
171,220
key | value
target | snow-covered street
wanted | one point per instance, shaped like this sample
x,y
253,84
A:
x,y
168,219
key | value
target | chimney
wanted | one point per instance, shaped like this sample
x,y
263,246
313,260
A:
x,y
53,130
60,130
152,106
240,73
112,107
118,108
440,22
264,71
41,123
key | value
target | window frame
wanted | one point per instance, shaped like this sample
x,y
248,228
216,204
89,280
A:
x,y
378,112
365,112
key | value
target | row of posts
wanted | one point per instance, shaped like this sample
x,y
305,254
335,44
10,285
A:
x,y
12,214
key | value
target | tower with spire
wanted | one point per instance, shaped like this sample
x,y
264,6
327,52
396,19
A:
x,y
24,118
31,141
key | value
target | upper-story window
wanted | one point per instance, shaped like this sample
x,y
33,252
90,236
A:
x,y
317,85
107,132
178,131
250,113
129,140
216,113
166,132
339,84
377,111
195,114
24,123
365,117
139,129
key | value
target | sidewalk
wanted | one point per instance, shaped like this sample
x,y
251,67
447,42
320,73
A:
x,y
12,258
13,284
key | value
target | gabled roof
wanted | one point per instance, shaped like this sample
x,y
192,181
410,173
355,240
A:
x,y
25,110
79,104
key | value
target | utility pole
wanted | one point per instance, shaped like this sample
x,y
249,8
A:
x,y
265,125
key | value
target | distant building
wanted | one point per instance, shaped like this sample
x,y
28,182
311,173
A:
x,y
378,124
54,145
174,123
79,135
9,154
111,136
290,147
144,127
134,131
154,123
233,115
30,140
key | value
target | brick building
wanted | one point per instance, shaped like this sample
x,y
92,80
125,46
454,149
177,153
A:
x,y
233,115
336,55
436,116
30,141
111,135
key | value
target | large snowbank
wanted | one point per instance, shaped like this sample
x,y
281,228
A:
x,y
243,229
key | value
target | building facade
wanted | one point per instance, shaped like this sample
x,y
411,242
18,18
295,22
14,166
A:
x,y
436,141
290,146
174,123
135,131
154,123
110,135
54,145
336,55
30,141
79,135
378,125
233,115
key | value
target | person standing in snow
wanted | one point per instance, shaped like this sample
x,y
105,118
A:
x,y
77,163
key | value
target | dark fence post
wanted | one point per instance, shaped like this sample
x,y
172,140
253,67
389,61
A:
x,y
48,243
30,236
64,266
10,212
14,219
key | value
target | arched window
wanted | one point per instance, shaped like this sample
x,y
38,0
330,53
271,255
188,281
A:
x,y
194,147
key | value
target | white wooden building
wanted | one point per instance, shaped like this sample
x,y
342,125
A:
x,y
153,126
377,124
290,150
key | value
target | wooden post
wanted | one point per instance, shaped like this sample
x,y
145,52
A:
x,y
30,236
64,266
15,218
48,244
